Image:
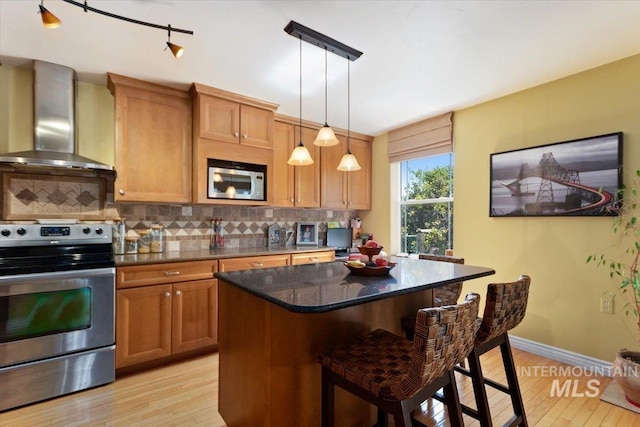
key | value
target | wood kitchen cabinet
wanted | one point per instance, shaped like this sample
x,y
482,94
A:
x,y
294,185
346,190
165,309
153,143
229,117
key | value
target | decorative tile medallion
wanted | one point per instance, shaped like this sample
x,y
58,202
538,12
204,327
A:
x,y
33,196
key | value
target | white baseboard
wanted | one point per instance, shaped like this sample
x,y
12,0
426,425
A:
x,y
561,355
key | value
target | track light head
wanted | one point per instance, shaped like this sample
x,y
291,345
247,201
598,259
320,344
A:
x,y
49,20
175,49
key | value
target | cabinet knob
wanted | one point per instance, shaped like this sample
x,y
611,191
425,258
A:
x,y
121,191
167,294
291,200
178,293
236,133
245,136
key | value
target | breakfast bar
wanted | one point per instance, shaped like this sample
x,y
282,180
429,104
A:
x,y
274,322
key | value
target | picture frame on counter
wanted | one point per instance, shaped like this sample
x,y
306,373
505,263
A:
x,y
277,236
307,234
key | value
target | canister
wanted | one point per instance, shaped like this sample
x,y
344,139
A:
x,y
157,238
131,245
144,244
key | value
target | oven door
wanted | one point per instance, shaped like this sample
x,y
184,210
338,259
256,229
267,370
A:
x,y
51,314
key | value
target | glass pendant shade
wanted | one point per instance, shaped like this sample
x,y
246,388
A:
x,y
49,20
300,156
349,163
231,191
175,49
326,137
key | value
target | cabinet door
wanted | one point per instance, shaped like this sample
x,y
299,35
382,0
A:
x,y
152,146
333,184
307,178
143,324
256,127
219,119
359,182
282,174
195,315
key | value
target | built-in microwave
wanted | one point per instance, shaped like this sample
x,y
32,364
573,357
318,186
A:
x,y
236,180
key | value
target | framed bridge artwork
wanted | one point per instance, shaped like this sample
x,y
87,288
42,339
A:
x,y
571,178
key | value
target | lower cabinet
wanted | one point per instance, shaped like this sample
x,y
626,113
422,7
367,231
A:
x,y
312,257
160,320
251,263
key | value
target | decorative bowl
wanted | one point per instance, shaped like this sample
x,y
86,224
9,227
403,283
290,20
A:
x,y
370,252
370,271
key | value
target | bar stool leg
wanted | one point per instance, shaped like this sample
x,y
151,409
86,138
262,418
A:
x,y
479,390
327,400
452,401
512,381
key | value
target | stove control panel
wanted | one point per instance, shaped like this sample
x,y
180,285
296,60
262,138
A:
x,y
40,235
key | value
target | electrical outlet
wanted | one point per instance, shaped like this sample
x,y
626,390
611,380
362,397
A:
x,y
606,303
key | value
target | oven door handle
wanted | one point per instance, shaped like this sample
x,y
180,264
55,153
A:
x,y
58,275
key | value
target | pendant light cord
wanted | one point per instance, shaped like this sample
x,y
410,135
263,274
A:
x,y
325,86
301,89
348,105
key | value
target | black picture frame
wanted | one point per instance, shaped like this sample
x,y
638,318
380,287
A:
x,y
581,177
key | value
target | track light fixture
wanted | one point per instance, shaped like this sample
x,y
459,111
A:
x,y
177,50
49,20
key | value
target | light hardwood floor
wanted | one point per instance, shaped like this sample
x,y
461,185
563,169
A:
x,y
186,394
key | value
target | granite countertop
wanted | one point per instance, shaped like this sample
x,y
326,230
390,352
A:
x,y
317,288
206,254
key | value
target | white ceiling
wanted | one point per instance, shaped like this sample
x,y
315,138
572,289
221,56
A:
x,y
421,58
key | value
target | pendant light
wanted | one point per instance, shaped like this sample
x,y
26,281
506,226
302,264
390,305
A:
x,y
348,162
300,155
49,20
326,137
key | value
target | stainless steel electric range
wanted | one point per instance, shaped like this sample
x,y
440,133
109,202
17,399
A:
x,y
57,309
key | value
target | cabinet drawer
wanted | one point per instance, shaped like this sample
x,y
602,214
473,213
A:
x,y
312,257
249,263
154,274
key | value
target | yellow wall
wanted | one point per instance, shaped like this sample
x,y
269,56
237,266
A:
x,y
565,294
376,220
95,115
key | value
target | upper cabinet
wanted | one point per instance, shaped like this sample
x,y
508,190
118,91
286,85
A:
x,y
294,185
228,126
228,117
346,190
153,141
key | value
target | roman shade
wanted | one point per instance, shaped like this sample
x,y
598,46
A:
x,y
425,138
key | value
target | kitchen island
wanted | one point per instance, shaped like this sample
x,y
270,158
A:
x,y
274,322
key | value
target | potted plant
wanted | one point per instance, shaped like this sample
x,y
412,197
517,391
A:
x,y
624,271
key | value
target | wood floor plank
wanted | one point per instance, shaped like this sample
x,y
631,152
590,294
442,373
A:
x,y
186,394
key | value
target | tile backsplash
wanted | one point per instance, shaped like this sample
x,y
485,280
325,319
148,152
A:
x,y
188,227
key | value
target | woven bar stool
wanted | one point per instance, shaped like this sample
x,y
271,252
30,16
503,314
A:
x,y
504,309
442,295
396,374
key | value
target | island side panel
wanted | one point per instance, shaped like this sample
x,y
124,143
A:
x,y
269,374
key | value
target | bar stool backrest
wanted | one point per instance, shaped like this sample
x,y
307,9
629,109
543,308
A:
x,y
504,309
447,294
444,336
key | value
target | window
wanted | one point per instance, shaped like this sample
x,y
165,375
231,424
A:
x,y
426,204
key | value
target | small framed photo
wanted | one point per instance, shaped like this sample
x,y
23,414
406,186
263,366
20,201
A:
x,y
307,234
276,236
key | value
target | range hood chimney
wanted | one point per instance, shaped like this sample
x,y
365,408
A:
x,y
54,119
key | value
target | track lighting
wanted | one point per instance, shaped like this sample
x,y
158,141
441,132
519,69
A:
x,y
177,50
49,20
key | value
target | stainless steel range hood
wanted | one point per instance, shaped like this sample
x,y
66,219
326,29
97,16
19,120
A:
x,y
54,117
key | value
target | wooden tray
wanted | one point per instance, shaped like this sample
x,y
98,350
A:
x,y
370,271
